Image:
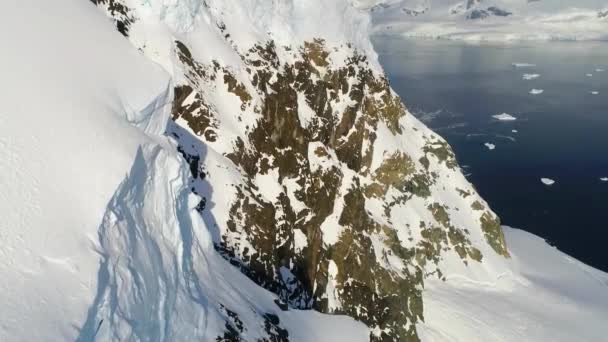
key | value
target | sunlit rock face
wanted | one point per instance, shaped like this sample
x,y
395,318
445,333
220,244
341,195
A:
x,y
322,187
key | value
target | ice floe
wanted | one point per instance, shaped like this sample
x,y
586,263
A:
x,y
528,77
595,92
427,117
504,117
499,136
536,91
547,181
604,179
523,65
490,146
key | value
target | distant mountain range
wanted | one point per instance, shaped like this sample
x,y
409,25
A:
x,y
492,19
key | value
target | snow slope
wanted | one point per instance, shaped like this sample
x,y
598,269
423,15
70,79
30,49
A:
x,y
161,279
544,296
493,19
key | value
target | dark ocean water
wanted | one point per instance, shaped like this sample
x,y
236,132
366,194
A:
x,y
562,134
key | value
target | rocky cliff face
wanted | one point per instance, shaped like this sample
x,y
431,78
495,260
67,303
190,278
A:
x,y
322,187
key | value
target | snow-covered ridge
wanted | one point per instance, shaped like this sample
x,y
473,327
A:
x,y
99,238
76,104
493,19
246,23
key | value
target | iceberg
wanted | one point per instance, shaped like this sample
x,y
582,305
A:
x,y
504,117
547,181
528,77
536,91
523,65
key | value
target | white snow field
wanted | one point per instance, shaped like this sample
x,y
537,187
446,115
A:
x,y
492,20
545,295
77,102
99,240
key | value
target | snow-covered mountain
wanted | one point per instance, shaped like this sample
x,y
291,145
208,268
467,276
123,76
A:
x,y
177,170
492,19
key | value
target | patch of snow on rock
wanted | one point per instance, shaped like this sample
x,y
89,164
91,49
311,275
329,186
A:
x,y
299,239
